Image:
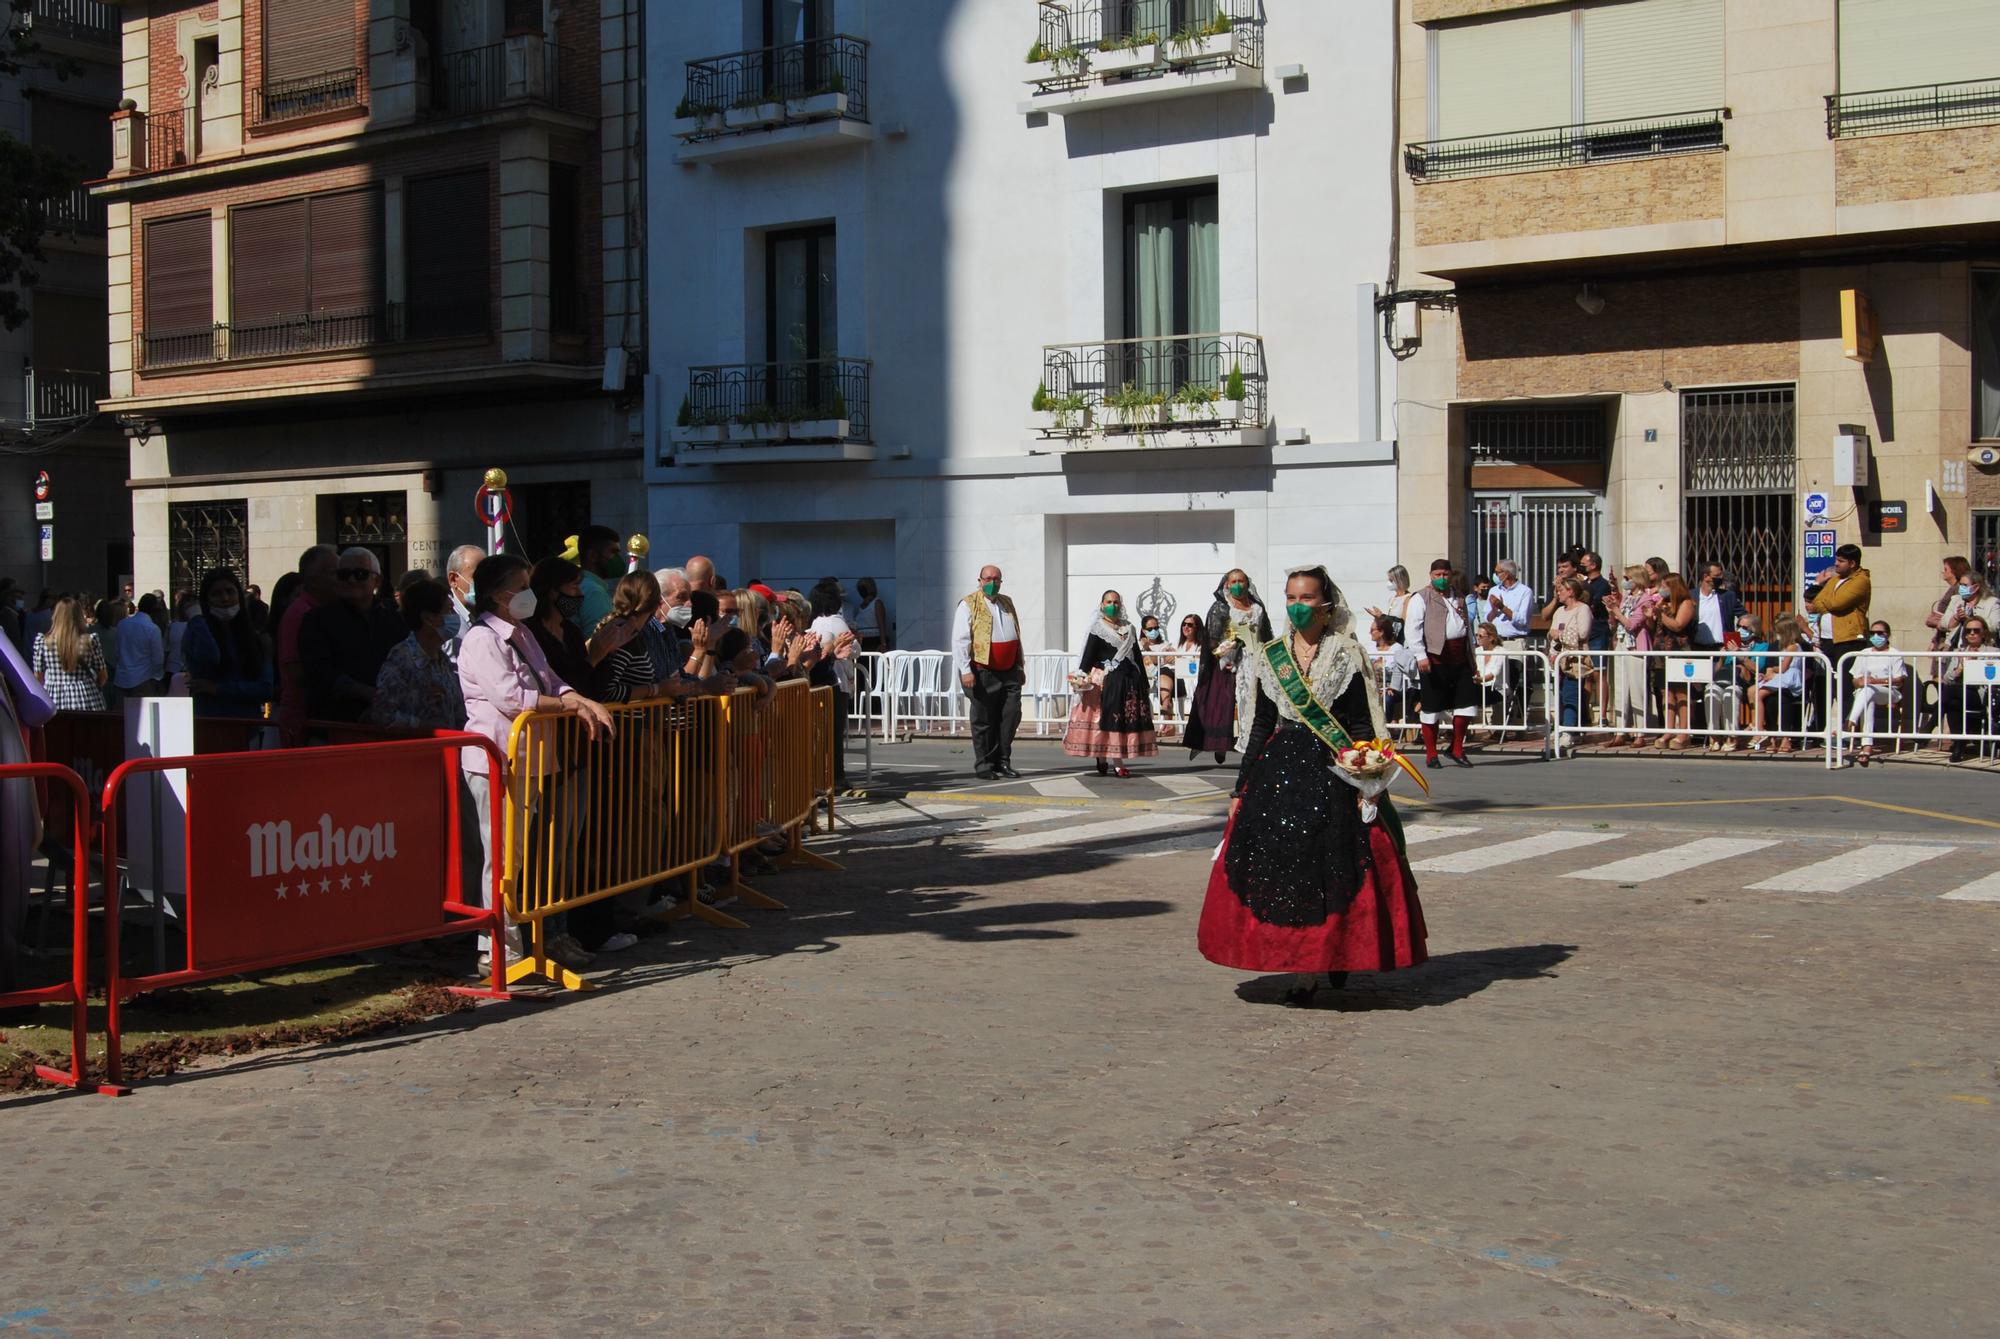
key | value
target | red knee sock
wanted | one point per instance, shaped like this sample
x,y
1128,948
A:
x,y
1430,742
1459,725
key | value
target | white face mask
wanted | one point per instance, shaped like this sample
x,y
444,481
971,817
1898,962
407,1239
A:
x,y
681,615
225,612
523,605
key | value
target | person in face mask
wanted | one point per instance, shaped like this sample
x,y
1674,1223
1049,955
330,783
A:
x,y
1219,716
458,570
1967,599
1878,675
228,666
986,652
1438,632
601,556
1112,716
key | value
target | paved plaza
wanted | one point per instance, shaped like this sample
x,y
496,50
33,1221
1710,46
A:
x,y
1706,1069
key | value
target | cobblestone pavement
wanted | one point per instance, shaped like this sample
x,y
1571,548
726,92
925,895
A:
x,y
981,1084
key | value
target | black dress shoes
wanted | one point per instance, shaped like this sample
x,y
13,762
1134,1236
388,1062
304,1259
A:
x,y
985,774
1461,760
1435,764
1004,770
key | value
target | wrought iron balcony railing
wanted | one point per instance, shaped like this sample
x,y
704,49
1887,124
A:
x,y
1969,102
315,332
90,21
1145,385
74,211
825,78
811,399
171,139
1192,34
1566,146
489,77
59,395
312,95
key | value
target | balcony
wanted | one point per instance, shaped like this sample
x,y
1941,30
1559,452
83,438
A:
x,y
284,337
330,93
74,212
59,397
1880,111
1098,53
1143,394
814,409
775,100
1566,146
91,22
518,71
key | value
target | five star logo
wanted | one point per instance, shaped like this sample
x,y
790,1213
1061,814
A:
x,y
304,887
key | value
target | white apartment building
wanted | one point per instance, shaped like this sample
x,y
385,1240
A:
x,y
1085,289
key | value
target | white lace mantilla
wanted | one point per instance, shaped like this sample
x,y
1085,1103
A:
x,y
1340,658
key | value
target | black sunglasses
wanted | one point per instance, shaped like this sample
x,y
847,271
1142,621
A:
x,y
355,575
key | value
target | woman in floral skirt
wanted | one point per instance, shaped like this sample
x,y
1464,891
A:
x,y
1112,719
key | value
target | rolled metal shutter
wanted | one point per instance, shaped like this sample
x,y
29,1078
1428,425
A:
x,y
1902,43
180,274
346,251
1500,75
308,39
448,254
267,263
1653,59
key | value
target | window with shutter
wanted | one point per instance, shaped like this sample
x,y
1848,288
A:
x,y
1501,75
311,58
565,260
1902,43
267,274
447,254
178,320
305,274
1653,59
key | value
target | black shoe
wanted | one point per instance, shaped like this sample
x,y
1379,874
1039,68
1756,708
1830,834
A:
x,y
1958,752
1461,760
1103,767
1435,764
1004,770
1220,757
985,774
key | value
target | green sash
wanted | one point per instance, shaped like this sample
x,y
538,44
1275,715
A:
x,y
1321,722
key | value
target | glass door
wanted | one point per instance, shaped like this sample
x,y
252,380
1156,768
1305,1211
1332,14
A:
x,y
1172,290
800,319
796,56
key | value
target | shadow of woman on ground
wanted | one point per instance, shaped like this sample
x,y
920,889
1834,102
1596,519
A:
x,y
1445,979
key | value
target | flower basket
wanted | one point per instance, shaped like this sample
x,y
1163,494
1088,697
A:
x,y
1124,60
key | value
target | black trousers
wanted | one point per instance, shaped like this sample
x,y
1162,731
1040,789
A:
x,y
995,699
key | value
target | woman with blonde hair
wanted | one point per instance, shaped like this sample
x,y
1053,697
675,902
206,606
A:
x,y
69,661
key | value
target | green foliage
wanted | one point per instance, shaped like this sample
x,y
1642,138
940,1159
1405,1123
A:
x,y
686,419
1233,388
1220,24
1041,403
1129,42
1070,409
1037,53
1193,396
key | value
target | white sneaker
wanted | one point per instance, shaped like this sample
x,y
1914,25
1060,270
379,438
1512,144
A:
x,y
660,906
624,939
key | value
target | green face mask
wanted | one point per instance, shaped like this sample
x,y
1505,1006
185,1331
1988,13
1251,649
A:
x,y
1238,589
1301,615
1439,583
1111,610
989,588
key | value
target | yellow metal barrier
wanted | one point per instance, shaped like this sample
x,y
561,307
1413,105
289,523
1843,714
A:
x,y
824,747
590,820
767,750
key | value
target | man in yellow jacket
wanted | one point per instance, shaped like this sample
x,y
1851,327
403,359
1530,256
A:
x,y
1844,595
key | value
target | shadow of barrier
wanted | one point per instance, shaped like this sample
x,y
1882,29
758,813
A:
x,y
299,854
73,992
679,787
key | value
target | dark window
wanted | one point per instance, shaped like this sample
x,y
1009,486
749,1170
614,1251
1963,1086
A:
x,y
799,295
178,320
81,136
565,258
523,16
202,536
373,521
448,255
305,274
545,515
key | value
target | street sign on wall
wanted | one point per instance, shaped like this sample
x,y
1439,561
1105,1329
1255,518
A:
x,y
1819,548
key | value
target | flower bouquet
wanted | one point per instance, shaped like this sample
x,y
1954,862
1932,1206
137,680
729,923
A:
x,y
1370,766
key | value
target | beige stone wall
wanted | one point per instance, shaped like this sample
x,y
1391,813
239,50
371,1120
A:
x,y
1780,59
1437,11
1573,199
1921,165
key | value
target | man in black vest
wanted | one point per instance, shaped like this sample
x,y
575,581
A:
x,y
1436,630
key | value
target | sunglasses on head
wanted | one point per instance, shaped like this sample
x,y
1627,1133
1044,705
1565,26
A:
x,y
355,574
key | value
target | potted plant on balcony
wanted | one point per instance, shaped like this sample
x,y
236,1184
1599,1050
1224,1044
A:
x,y
1212,40
1125,55
692,119
762,423
1233,394
821,103
1048,65
1137,409
752,111
1191,404
695,427
827,423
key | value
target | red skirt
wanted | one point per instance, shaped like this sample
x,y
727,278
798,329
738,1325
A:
x,y
1381,930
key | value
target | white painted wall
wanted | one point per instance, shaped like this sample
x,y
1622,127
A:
x,y
970,235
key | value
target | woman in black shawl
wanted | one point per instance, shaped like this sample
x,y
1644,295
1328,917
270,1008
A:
x,y
1236,619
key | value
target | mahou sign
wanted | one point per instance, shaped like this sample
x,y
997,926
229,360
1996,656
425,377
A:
x,y
296,853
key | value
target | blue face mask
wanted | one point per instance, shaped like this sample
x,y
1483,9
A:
x,y
1877,640
1965,590
453,625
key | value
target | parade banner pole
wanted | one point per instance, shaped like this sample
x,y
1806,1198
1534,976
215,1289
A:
x,y
636,549
495,506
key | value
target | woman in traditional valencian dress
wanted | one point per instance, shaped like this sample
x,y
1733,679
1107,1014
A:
x,y
1221,709
1113,716
1311,877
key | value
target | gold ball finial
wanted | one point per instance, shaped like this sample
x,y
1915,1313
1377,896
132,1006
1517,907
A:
x,y
496,478
638,546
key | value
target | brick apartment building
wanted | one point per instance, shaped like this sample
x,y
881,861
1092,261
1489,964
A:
x,y
360,251
1642,221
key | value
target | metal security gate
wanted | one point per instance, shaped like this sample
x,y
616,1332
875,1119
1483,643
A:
x,y
1533,529
202,536
1986,545
1739,473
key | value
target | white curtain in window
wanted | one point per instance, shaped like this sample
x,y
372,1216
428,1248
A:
x,y
1652,59
1153,296
1986,353
1204,278
1900,43
1505,74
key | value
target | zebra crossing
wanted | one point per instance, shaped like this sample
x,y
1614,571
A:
x,y
1447,853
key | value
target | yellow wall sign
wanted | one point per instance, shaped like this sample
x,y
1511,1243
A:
x,y
1859,335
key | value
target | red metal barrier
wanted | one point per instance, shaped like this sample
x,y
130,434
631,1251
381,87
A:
x,y
71,992
299,854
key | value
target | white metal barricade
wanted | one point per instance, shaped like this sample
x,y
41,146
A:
x,y
1752,700
1941,698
